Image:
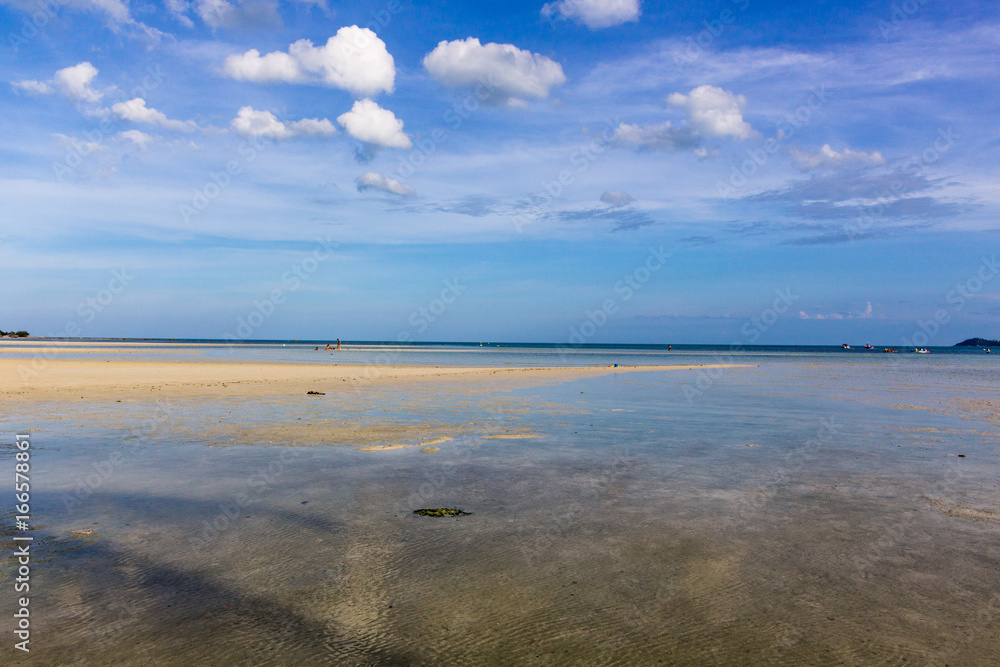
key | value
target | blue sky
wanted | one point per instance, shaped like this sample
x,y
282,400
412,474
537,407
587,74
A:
x,y
470,171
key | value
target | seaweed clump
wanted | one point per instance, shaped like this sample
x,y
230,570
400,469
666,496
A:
x,y
440,511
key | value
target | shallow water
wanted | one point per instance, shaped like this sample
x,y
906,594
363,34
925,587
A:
x,y
807,510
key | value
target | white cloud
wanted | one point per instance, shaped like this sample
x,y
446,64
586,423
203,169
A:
x,y
140,139
32,87
664,137
616,198
136,111
178,9
714,112
827,158
354,59
502,69
373,181
313,127
369,122
865,314
250,122
74,82
275,66
80,147
594,13
117,12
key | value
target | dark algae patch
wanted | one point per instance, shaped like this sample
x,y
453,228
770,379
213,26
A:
x,y
441,511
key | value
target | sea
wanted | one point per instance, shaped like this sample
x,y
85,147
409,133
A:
x,y
814,505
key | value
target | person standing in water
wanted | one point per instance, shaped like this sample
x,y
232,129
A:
x,y
338,343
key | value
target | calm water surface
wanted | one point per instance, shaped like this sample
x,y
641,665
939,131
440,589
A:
x,y
809,509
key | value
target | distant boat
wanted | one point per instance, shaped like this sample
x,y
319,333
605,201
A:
x,y
845,346
922,350
868,346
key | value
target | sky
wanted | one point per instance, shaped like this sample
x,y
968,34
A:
x,y
578,171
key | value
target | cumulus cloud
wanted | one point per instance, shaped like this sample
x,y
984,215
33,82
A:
x,y
275,66
369,122
594,13
373,181
665,136
32,87
714,112
616,198
354,59
140,139
74,82
250,122
827,158
508,73
136,111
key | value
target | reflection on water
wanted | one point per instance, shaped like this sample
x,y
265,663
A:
x,y
791,513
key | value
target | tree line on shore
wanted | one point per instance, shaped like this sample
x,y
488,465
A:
x,y
13,334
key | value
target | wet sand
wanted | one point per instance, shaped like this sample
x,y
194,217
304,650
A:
x,y
612,521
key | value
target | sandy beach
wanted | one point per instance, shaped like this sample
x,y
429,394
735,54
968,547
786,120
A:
x,y
50,374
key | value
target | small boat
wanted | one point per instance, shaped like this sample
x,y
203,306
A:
x,y
922,350
845,346
869,346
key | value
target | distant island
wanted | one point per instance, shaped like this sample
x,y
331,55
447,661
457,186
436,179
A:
x,y
978,342
13,334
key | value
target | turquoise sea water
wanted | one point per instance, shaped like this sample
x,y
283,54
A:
x,y
505,354
818,506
